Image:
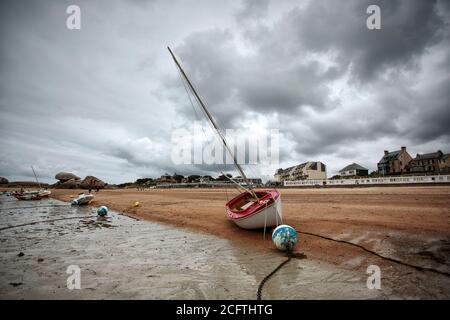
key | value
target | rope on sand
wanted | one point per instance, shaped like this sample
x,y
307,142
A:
x,y
419,268
260,287
264,280
44,221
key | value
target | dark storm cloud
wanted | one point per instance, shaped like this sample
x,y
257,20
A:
x,y
232,83
434,118
279,76
408,27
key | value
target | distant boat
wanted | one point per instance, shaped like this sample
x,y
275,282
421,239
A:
x,y
31,195
82,199
250,209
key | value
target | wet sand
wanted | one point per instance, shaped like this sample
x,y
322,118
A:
x,y
123,258
411,224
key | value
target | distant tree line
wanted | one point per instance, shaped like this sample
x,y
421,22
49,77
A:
x,y
178,178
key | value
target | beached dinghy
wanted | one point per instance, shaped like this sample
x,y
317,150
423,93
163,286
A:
x,y
82,199
250,209
249,213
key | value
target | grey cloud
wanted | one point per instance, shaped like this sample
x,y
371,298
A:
x,y
232,84
433,118
408,28
252,9
276,79
284,88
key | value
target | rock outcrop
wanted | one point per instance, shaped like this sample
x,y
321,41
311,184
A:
x,y
69,184
3,180
66,176
91,182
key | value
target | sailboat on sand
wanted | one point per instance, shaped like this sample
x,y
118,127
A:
x,y
32,194
250,209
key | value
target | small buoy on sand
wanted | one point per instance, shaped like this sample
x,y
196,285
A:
x,y
136,204
284,237
102,211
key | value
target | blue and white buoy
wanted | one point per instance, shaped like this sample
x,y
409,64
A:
x,y
102,211
284,237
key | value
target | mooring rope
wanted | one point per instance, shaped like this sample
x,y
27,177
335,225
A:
x,y
289,253
259,292
43,221
264,280
419,268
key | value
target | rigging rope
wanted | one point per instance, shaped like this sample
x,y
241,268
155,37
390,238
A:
x,y
219,131
212,121
186,88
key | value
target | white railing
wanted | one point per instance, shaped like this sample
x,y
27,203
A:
x,y
370,181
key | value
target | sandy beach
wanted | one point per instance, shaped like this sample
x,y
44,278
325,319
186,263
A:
x,y
408,224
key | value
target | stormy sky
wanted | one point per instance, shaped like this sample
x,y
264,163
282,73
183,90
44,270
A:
x,y
104,100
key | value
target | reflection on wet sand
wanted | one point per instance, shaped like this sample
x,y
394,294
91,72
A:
x,y
123,258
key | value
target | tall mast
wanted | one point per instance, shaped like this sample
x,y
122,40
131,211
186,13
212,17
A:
x,y
214,124
36,177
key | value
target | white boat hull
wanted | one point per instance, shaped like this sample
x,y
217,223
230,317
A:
x,y
268,217
83,199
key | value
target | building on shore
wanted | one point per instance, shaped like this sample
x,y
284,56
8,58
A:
x,y
253,181
354,170
444,164
311,170
206,179
433,162
394,162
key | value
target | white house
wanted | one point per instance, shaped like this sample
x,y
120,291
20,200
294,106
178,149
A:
x,y
353,169
311,170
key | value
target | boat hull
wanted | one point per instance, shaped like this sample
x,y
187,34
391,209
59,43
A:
x,y
83,199
266,212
